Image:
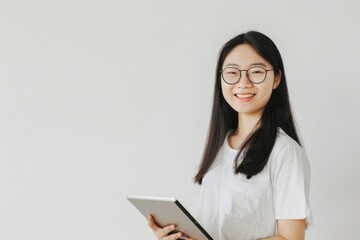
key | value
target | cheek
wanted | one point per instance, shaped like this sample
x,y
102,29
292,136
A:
x,y
222,87
265,93
226,91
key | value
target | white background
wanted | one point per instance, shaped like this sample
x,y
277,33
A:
x,y
99,99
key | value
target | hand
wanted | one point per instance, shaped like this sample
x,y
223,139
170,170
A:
x,y
162,233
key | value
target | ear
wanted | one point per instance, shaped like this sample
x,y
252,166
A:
x,y
277,79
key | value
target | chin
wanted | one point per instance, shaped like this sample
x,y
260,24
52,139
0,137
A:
x,y
255,112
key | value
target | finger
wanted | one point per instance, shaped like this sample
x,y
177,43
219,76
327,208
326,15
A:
x,y
159,232
152,224
173,236
166,230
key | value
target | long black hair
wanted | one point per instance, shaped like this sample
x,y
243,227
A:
x,y
277,113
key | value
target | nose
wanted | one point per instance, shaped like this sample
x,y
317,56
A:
x,y
244,81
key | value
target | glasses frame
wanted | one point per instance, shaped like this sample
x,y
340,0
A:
x,y
247,74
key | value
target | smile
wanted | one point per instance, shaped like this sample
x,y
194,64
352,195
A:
x,y
245,96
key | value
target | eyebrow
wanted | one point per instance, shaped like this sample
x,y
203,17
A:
x,y
253,64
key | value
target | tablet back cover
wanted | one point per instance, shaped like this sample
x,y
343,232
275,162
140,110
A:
x,y
168,211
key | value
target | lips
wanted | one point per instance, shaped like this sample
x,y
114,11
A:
x,y
244,95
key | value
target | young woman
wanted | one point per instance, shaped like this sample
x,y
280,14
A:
x,y
254,174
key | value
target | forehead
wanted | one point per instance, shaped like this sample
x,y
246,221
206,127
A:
x,y
244,55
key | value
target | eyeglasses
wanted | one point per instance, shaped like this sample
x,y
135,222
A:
x,y
232,75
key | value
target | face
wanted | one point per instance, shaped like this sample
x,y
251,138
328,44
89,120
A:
x,y
246,97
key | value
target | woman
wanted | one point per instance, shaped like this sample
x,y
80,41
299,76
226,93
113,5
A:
x,y
254,174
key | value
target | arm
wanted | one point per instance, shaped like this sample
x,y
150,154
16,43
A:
x,y
290,230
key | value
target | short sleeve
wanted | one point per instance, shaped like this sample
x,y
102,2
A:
x,y
291,183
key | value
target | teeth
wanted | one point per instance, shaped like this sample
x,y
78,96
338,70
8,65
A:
x,y
244,95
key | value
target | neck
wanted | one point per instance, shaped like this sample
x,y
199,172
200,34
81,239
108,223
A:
x,y
247,124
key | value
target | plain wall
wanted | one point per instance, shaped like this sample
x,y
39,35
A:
x,y
100,99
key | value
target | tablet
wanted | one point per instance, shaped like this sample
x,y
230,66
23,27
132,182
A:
x,y
168,211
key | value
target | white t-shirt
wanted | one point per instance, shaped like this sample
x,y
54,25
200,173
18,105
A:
x,y
232,207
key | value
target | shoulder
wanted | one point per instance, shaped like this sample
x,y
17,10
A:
x,y
287,153
284,144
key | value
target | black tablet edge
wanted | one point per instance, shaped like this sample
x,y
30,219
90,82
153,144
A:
x,y
193,220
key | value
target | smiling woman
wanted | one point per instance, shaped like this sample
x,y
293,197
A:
x,y
255,176
247,93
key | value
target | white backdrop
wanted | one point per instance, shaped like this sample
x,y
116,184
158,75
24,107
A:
x,y
101,98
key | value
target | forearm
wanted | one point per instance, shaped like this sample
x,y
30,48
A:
x,y
274,238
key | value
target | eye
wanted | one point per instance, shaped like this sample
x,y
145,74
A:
x,y
256,71
231,72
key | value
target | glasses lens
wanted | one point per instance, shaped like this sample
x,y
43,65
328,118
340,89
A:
x,y
231,75
257,74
